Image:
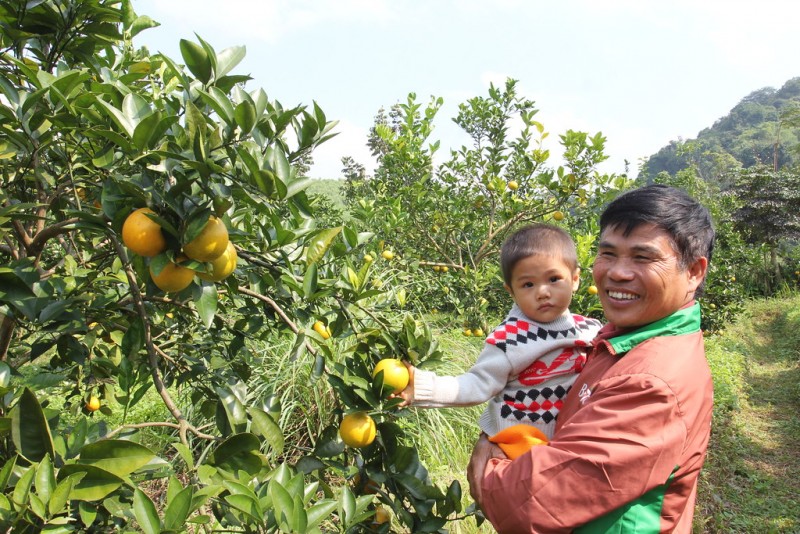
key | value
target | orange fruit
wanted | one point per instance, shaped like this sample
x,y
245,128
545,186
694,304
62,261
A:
x,y
142,234
222,266
381,515
357,429
558,215
93,404
395,374
210,243
320,328
387,255
592,290
513,185
173,277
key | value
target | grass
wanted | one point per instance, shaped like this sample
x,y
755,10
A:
x,y
752,477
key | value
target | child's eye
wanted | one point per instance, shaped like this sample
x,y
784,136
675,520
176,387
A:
x,y
554,279
527,284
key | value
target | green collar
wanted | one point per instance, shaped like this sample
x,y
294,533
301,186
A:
x,y
683,321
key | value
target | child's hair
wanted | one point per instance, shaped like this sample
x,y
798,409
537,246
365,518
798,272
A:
x,y
539,238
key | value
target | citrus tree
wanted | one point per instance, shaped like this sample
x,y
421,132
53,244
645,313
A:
x,y
156,237
450,218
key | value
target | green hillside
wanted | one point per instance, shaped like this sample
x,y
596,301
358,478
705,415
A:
x,y
763,128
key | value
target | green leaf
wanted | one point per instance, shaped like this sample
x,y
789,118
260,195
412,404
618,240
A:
x,y
60,496
22,488
265,426
196,59
348,504
96,483
205,299
45,479
310,281
240,452
228,59
245,115
282,501
185,454
142,22
5,472
133,340
220,103
145,512
119,457
30,431
319,512
178,509
320,244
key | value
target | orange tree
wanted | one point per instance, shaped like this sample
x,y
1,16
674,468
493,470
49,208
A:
x,y
94,129
446,220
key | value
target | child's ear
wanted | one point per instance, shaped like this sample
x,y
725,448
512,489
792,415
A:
x,y
508,288
576,279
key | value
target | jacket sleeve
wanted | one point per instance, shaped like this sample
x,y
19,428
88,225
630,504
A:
x,y
623,442
480,383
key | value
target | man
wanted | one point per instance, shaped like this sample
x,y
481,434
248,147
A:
x,y
632,434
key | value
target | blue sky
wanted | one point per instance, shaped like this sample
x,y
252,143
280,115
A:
x,y
643,72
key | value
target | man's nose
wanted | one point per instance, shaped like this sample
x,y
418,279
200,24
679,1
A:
x,y
621,269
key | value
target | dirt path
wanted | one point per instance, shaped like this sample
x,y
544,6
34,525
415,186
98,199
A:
x,y
769,423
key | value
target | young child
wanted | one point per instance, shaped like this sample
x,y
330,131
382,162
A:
x,y
530,361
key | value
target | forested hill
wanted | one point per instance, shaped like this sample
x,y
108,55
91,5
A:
x,y
745,137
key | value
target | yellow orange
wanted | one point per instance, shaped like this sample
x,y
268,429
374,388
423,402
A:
x,y
357,429
173,277
210,243
93,404
320,328
592,290
395,374
142,234
387,255
222,266
558,215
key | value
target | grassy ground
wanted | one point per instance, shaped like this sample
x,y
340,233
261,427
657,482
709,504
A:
x,y
751,482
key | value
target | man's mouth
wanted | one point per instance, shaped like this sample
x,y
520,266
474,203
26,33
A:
x,y
619,295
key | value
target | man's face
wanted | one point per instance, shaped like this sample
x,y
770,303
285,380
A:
x,y
639,277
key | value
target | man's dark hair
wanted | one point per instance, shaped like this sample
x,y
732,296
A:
x,y
539,238
687,221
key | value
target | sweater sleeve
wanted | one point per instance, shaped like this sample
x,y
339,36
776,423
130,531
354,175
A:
x,y
480,383
609,451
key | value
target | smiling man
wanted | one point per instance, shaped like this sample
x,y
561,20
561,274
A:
x,y
632,435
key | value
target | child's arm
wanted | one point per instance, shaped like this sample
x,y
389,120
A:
x,y
483,381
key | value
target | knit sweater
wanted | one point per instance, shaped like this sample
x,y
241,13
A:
x,y
524,370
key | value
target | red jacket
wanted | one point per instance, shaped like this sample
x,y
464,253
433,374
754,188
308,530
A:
x,y
630,441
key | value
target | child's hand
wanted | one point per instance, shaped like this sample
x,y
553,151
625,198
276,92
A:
x,y
408,394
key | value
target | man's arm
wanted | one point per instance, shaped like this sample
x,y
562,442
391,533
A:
x,y
624,442
483,451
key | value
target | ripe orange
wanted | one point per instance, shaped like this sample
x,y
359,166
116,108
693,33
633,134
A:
x,y
387,255
592,290
558,215
513,185
210,243
381,515
173,277
368,258
222,266
357,429
467,332
395,374
142,234
320,328
478,332
93,404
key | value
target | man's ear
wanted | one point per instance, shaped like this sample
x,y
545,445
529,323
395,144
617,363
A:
x,y
696,273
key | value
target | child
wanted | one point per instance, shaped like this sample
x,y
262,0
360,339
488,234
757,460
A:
x,y
529,362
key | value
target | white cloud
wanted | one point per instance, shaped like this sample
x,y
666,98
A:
x,y
351,141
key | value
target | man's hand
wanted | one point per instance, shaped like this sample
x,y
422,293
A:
x,y
483,451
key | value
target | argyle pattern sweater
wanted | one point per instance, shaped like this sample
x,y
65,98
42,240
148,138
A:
x,y
525,371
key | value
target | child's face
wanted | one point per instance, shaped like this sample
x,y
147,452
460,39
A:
x,y
542,286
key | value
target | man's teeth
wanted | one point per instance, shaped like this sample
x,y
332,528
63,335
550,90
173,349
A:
x,y
622,296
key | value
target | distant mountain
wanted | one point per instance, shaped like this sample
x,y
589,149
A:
x,y
765,125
